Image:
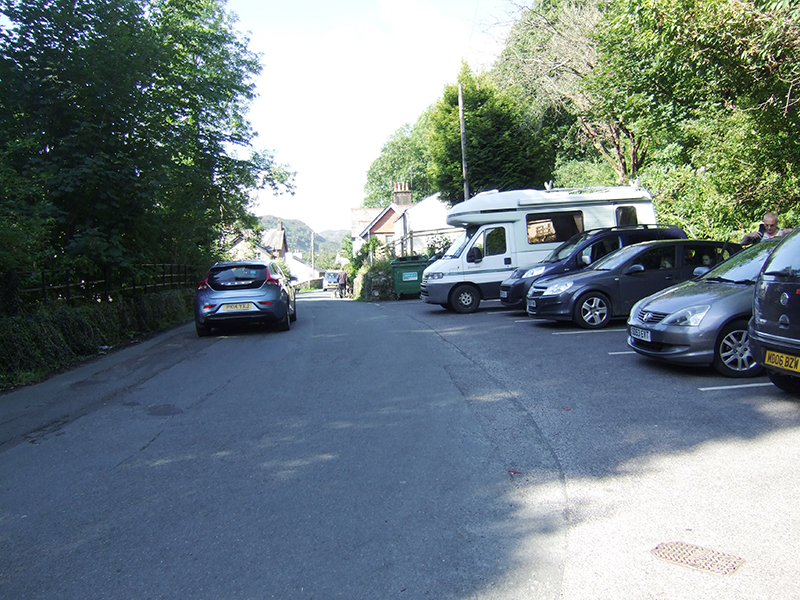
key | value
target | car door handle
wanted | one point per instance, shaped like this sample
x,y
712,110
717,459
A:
x,y
507,260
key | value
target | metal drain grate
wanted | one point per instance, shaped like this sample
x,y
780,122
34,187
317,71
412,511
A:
x,y
698,558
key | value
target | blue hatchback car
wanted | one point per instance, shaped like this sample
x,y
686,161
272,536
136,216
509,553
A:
x,y
244,292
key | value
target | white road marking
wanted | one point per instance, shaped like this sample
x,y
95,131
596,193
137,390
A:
x,y
589,331
735,387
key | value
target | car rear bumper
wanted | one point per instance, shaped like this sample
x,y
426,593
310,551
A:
x,y
218,315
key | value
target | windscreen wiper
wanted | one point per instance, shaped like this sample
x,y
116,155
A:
x,y
785,272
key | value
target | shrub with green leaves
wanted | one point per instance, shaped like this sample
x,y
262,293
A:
x,y
57,336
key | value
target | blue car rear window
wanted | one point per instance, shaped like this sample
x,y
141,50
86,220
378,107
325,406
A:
x,y
237,277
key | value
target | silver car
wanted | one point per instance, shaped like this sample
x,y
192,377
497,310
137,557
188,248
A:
x,y
703,321
244,292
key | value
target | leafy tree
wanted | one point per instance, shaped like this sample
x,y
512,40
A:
x,y
404,158
550,57
118,124
503,151
713,82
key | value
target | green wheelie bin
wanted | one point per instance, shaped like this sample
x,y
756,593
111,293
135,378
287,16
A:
x,y
407,274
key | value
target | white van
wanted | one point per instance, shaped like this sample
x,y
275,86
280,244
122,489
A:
x,y
503,230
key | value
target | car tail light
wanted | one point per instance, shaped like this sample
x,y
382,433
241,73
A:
x,y
271,281
207,306
203,285
265,302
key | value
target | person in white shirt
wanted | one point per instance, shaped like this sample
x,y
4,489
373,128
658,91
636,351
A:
x,y
766,231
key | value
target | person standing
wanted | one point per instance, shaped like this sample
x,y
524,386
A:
x,y
341,279
766,231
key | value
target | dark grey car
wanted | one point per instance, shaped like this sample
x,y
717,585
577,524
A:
x,y
775,326
580,251
612,285
703,321
244,292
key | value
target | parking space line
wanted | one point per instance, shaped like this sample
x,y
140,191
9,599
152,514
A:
x,y
622,352
734,387
590,331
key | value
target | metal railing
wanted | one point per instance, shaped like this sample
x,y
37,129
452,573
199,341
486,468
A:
x,y
20,290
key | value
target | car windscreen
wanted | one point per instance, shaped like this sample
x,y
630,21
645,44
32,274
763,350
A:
x,y
785,261
744,266
237,277
565,250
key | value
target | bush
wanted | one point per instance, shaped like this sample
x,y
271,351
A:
x,y
61,336
374,282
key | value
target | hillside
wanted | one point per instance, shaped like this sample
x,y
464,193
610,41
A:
x,y
298,236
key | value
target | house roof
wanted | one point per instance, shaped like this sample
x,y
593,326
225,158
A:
x,y
274,238
395,210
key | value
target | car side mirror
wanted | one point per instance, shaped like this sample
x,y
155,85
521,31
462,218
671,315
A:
x,y
474,255
633,269
700,271
586,260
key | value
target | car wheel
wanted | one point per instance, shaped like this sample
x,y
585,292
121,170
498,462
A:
x,y
286,323
732,356
592,311
293,316
202,330
787,383
465,299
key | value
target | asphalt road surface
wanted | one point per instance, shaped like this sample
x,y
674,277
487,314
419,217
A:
x,y
397,450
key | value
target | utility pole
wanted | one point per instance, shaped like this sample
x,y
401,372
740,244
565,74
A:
x,y
463,141
312,250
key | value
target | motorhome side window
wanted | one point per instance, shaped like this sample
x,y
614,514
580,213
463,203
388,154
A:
x,y
553,227
626,215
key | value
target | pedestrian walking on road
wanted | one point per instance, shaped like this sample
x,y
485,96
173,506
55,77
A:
x,y
341,279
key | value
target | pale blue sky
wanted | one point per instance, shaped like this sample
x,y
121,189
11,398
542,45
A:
x,y
340,77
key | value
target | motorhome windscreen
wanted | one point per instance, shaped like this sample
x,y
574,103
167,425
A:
x,y
455,250
553,227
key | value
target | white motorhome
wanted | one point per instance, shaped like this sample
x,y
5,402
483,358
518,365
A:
x,y
503,230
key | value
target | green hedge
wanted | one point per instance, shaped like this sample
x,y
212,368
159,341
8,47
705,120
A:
x,y
374,282
53,338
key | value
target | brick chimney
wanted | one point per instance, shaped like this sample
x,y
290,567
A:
x,y
401,194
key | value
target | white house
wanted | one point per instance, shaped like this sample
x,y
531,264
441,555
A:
x,y
421,224
300,268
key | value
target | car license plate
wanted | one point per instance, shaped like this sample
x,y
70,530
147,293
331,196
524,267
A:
x,y
531,303
237,307
640,334
782,361
503,294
